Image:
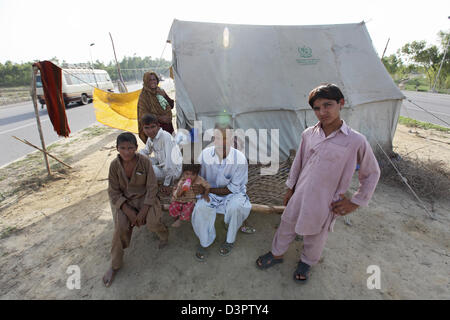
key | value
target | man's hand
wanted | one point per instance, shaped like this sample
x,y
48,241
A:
x,y
344,206
198,189
287,197
142,216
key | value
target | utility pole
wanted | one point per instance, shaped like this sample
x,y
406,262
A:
x,y
440,67
92,64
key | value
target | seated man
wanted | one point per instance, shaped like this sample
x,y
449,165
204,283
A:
x,y
226,170
167,160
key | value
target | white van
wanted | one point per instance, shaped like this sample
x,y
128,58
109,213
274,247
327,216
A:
x,y
77,85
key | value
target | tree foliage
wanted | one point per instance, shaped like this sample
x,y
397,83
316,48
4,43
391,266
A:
x,y
19,74
418,57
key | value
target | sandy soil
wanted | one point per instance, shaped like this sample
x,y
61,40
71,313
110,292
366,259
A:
x,y
67,221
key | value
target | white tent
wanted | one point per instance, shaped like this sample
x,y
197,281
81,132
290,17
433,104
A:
x,y
262,75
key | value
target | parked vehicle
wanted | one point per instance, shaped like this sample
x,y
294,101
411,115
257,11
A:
x,y
78,85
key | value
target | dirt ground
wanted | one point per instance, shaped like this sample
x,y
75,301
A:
x,y
49,224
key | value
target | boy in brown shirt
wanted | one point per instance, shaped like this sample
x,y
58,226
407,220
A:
x,y
132,193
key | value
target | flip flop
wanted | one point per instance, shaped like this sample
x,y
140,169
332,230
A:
x,y
225,249
247,230
200,254
302,270
267,261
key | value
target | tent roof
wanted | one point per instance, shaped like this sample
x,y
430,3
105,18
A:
x,y
275,67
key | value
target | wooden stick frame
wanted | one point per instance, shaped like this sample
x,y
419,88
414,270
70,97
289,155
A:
x,y
260,208
46,152
36,112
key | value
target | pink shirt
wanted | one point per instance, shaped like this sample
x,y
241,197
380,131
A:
x,y
322,169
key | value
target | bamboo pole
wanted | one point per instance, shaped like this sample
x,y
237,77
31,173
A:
x,y
259,208
50,155
118,66
38,120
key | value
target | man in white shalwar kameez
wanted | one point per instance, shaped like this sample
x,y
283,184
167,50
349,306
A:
x,y
226,170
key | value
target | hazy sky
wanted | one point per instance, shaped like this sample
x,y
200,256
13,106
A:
x,y
43,29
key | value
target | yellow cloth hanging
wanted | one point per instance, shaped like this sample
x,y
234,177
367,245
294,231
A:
x,y
117,110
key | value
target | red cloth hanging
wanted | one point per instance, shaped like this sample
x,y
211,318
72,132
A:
x,y
51,77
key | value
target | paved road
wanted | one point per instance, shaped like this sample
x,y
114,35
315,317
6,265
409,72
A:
x,y
19,120
438,104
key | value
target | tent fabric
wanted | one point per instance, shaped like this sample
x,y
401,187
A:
x,y
117,110
262,75
51,76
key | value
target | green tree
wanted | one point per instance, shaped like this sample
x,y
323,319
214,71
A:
x,y
422,55
429,57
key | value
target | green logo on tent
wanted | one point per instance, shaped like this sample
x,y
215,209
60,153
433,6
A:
x,y
306,55
305,52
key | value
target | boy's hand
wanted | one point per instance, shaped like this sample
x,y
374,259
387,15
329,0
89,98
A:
x,y
142,216
344,206
287,197
130,213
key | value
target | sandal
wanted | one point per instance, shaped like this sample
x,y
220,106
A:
x,y
247,229
302,270
267,260
200,254
225,249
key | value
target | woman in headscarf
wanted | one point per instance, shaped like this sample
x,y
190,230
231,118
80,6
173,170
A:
x,y
155,101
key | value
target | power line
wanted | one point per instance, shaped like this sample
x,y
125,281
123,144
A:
x,y
448,124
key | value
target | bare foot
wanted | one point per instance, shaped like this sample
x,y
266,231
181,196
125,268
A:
x,y
177,223
162,244
109,277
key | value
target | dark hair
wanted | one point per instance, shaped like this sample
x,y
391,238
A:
x,y
126,137
325,91
193,167
149,119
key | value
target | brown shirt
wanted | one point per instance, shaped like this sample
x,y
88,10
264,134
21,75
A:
x,y
189,195
141,188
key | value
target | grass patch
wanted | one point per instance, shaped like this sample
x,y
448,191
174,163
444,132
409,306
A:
x,y
419,124
94,131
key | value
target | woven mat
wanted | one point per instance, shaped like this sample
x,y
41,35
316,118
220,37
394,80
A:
x,y
262,189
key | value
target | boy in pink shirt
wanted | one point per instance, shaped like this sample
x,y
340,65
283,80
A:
x,y
320,175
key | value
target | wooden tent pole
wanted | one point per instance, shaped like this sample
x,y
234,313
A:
x,y
118,65
36,112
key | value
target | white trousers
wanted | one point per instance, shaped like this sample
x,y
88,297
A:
x,y
235,207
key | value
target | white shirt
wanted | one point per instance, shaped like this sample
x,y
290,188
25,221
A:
x,y
231,172
167,155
